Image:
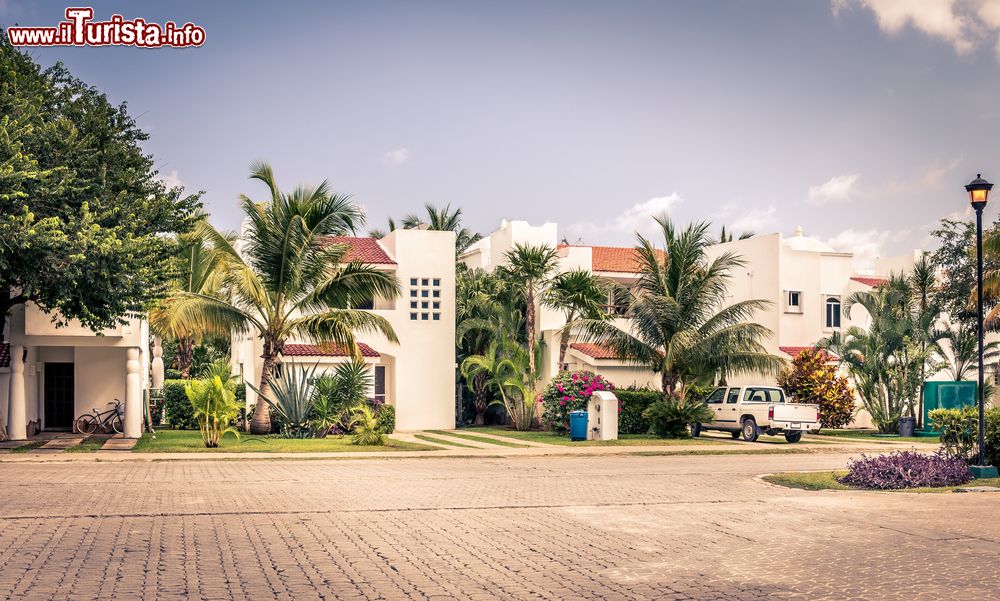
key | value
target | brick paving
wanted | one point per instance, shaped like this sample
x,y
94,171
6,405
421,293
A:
x,y
588,527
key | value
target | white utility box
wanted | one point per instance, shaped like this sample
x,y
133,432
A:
x,y
602,416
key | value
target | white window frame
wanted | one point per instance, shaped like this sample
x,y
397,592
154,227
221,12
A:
x,y
789,307
826,309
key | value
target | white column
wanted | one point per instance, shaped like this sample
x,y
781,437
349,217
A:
x,y
133,394
157,367
32,387
17,418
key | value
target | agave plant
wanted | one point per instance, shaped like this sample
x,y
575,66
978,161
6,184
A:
x,y
291,399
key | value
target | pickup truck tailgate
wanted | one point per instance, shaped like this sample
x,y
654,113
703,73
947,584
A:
x,y
796,413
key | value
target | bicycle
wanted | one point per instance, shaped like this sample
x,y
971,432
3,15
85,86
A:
x,y
111,420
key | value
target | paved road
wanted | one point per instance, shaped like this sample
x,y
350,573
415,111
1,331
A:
x,y
681,527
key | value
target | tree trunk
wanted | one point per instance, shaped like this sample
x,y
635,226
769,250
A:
x,y
480,402
563,345
529,324
185,355
669,383
261,421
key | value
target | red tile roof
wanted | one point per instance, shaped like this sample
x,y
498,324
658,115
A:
x,y
869,281
365,250
619,259
325,350
793,352
594,351
4,355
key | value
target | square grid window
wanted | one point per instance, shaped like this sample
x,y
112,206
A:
x,y
425,299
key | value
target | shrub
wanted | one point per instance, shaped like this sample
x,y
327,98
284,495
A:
x,y
213,401
336,393
812,379
633,402
905,469
569,391
670,418
386,418
365,425
172,374
959,431
180,413
993,436
291,400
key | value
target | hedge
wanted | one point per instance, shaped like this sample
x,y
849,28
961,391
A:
x,y
634,402
179,412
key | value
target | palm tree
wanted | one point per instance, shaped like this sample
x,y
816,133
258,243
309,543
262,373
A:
x,y
727,236
199,267
924,312
503,368
963,348
680,327
579,294
290,281
479,308
440,220
531,267
377,233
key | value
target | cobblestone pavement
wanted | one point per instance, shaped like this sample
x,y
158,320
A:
x,y
635,527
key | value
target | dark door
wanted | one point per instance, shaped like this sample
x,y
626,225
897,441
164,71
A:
x,y
58,396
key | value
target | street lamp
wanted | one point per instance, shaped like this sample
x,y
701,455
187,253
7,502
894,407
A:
x,y
979,191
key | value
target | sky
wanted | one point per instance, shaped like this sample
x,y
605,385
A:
x,y
859,120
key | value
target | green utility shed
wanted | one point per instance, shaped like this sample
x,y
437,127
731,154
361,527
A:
x,y
946,395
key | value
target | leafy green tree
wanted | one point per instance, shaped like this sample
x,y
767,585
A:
x,y
290,281
681,326
962,351
82,214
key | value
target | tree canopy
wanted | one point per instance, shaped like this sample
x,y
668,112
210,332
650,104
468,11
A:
x,y
82,213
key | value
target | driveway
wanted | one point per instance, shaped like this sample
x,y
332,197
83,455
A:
x,y
547,527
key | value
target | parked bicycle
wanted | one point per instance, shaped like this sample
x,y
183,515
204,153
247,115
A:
x,y
112,420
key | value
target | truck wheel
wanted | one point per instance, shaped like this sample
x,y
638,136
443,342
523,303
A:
x,y
736,434
695,430
793,436
750,432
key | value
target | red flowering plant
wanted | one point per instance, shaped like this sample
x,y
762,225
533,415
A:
x,y
569,391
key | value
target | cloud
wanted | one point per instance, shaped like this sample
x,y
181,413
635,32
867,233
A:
x,y
397,156
838,188
935,172
171,180
961,23
636,218
866,245
756,220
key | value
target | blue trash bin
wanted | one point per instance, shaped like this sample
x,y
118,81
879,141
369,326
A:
x,y
578,425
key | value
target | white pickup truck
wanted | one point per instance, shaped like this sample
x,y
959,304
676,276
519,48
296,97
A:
x,y
752,410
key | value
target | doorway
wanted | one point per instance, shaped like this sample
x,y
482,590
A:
x,y
59,397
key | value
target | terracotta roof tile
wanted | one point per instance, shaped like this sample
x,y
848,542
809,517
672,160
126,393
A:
x,y
619,259
4,355
365,250
869,280
793,352
594,351
327,350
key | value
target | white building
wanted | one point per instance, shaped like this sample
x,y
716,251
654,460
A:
x,y
805,280
50,375
417,375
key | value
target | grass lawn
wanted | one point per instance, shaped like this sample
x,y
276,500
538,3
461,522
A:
x,y
33,444
483,439
189,441
828,481
867,436
626,440
441,441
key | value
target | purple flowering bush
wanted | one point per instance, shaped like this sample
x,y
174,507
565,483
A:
x,y
569,391
905,469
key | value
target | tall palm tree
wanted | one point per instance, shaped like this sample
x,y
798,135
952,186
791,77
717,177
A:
x,y
290,281
727,236
962,352
199,265
924,312
579,294
441,220
680,325
531,267
479,307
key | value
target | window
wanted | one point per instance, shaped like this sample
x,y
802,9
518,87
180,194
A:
x,y
717,396
764,395
380,383
832,320
793,301
422,290
278,369
734,395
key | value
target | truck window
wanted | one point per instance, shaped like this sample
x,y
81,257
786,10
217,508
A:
x,y
716,396
734,395
775,395
755,395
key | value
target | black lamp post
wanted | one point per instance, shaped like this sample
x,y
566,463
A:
x,y
979,191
